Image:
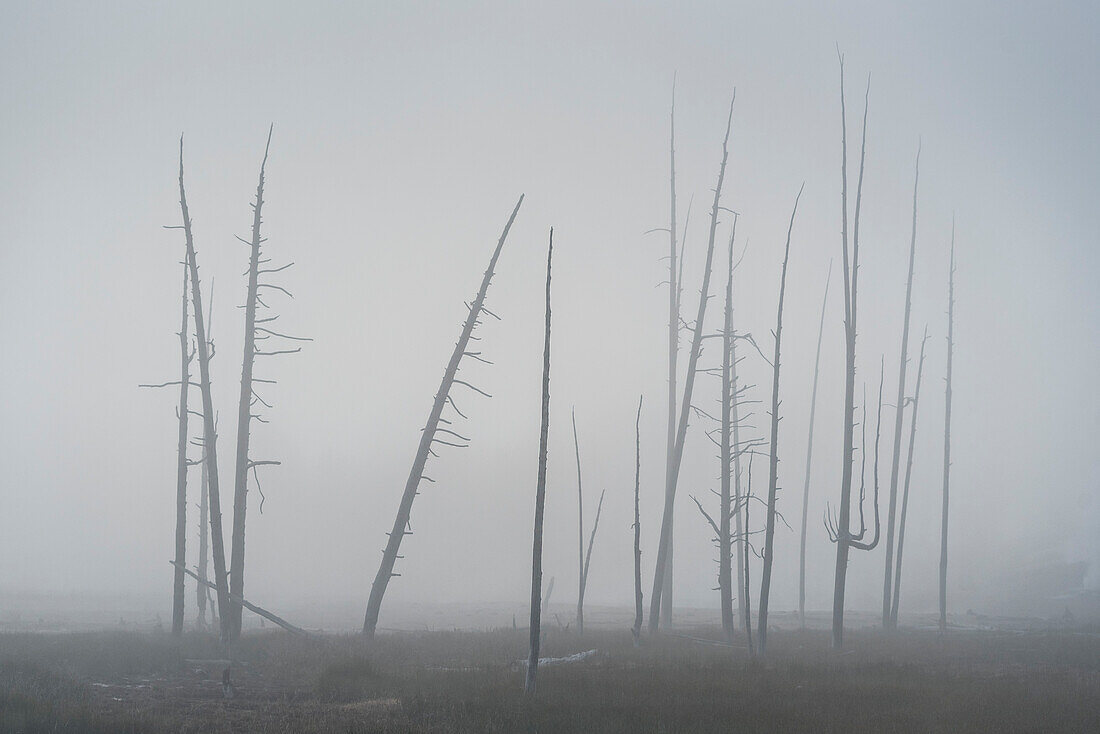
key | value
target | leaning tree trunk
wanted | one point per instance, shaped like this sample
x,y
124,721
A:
x,y
887,616
588,558
773,472
725,576
665,545
905,494
428,437
580,531
740,528
809,459
202,589
851,281
244,409
540,494
674,285
210,439
637,630
947,435
181,473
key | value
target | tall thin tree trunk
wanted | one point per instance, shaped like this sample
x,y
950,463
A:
x,y
725,550
580,530
664,547
588,553
887,616
744,542
905,494
809,459
210,438
947,434
427,437
540,495
244,409
851,282
637,525
674,286
773,472
740,528
181,473
202,589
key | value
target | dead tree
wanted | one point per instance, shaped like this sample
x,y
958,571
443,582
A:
x,y
809,458
887,615
584,558
205,352
540,492
202,590
741,528
947,433
672,473
251,403
637,629
851,280
905,494
773,472
428,437
674,288
745,553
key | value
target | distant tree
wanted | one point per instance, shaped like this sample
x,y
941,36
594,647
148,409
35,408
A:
x,y
888,620
202,591
673,469
584,558
809,458
851,279
428,436
905,494
773,452
540,495
947,433
250,402
637,629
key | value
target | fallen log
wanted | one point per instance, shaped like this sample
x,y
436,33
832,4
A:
x,y
274,618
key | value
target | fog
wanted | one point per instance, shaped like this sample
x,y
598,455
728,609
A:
x,y
403,134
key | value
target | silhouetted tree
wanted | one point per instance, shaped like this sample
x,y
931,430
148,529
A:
x,y
637,629
540,494
773,472
809,458
888,620
947,433
428,435
851,279
584,558
664,546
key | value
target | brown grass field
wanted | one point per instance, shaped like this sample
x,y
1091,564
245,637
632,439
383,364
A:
x,y
974,681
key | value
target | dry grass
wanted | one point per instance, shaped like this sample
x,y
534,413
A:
x,y
469,681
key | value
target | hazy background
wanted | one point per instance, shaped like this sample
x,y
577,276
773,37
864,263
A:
x,y
404,132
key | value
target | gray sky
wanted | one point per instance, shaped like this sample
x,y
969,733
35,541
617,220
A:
x,y
403,134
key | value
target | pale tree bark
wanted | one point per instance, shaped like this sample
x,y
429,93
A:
x,y
905,493
428,435
672,474
746,554
587,564
947,434
725,577
584,558
740,527
202,589
674,286
809,458
887,617
540,495
851,281
210,439
181,471
637,629
773,455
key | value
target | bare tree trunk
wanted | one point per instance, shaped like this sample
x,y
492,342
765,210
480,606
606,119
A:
x,y
887,617
210,439
725,580
905,494
744,542
588,559
202,590
809,459
664,547
674,286
580,531
851,280
637,630
181,472
773,472
244,409
540,494
740,529
947,434
427,437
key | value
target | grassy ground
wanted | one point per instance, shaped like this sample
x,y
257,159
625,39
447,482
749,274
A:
x,y
469,681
